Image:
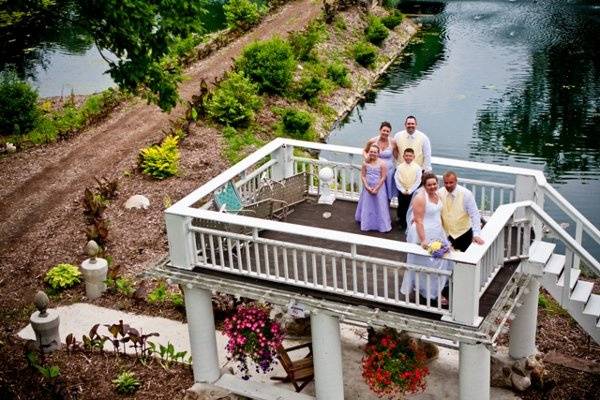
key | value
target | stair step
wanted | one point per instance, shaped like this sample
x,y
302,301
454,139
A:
x,y
555,264
574,275
593,306
582,291
540,252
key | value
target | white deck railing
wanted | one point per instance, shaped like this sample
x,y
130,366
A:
x,y
238,249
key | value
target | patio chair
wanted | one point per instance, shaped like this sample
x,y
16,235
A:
x,y
299,372
229,200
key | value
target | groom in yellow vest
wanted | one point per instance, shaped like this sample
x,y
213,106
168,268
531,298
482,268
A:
x,y
460,216
411,138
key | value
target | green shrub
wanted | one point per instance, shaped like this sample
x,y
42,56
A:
x,y
391,4
376,32
126,383
338,73
303,43
63,276
234,101
365,54
297,124
339,23
393,20
238,142
270,64
309,86
18,104
161,161
121,285
242,14
159,294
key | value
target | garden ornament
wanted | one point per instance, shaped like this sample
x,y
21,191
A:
x,y
325,179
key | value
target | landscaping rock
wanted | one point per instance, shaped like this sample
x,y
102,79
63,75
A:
x,y
137,201
11,148
205,391
515,374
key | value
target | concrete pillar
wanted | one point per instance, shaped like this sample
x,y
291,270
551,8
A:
x,y
523,327
201,326
474,372
285,162
94,272
327,356
45,325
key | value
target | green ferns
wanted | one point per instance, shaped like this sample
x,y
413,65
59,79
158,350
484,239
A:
x,y
161,161
63,276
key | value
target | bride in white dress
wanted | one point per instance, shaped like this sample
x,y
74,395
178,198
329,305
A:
x,y
425,226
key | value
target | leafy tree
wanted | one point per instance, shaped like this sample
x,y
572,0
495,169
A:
x,y
139,33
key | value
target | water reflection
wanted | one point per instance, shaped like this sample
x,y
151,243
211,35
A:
x,y
554,114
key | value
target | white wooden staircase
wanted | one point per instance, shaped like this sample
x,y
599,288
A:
x,y
577,299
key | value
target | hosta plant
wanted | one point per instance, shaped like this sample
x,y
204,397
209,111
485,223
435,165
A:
x,y
253,336
126,383
63,276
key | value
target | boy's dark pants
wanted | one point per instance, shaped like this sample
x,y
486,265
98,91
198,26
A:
x,y
403,203
463,241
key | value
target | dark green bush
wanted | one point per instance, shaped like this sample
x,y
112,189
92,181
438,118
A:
x,y
18,104
365,54
242,14
297,123
338,73
270,64
376,32
303,43
234,101
393,20
391,4
309,86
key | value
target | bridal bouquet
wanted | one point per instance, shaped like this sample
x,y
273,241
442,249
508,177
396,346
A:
x,y
438,248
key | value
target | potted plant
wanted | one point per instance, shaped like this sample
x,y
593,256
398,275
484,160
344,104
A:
x,y
394,364
253,336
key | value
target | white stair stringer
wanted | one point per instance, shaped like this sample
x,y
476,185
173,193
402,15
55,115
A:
x,y
583,305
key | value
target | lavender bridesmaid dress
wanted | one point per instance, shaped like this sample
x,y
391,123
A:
x,y
373,211
388,157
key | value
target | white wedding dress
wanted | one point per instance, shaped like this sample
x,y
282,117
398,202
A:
x,y
432,222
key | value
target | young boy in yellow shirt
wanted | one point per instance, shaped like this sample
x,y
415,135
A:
x,y
408,179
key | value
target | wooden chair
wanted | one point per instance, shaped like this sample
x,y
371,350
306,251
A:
x,y
299,372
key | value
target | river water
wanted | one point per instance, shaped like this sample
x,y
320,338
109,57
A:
x,y
504,82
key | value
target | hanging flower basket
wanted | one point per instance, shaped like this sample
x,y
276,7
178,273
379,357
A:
x,y
252,336
394,365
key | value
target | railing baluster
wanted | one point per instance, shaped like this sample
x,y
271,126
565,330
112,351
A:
x,y
239,255
230,254
344,276
385,282
248,260
364,274
427,288
276,261
203,248
305,267
324,270
375,291
257,258
417,288
295,264
211,245
439,293
354,274
285,265
267,262
509,245
334,272
313,262
221,254
396,286
344,187
519,238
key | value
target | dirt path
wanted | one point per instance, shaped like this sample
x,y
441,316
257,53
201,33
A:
x,y
41,188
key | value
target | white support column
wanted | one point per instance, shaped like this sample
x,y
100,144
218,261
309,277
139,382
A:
x,y
285,162
465,294
523,327
474,372
181,241
327,356
526,188
203,341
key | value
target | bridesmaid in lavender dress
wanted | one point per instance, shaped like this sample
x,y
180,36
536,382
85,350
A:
x,y
385,144
373,211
